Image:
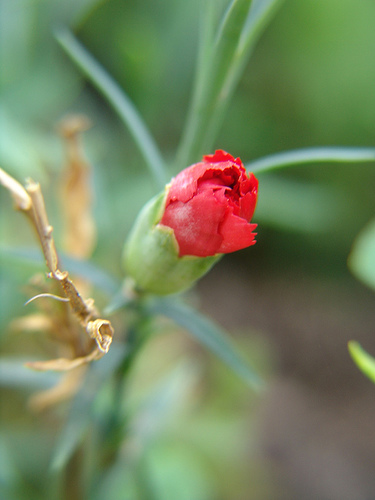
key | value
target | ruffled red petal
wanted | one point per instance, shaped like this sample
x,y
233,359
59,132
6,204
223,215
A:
x,y
196,224
222,156
237,234
210,204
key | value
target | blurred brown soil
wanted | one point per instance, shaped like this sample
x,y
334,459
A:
x,y
317,417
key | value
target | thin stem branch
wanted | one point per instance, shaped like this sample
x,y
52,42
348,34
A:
x,y
31,202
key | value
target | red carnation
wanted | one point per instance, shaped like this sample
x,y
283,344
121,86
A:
x,y
209,206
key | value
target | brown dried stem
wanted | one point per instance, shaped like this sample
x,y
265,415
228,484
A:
x,y
31,202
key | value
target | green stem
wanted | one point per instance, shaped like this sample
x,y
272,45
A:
x,y
118,100
312,155
117,423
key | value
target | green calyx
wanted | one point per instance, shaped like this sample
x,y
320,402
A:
x,y
151,255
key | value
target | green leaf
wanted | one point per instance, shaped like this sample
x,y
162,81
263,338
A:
x,y
362,359
9,473
213,68
260,14
362,257
118,100
14,373
206,332
319,206
312,155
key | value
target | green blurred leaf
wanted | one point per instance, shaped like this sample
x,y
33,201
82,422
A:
x,y
151,416
260,14
14,373
8,471
118,100
165,398
299,206
179,472
83,268
21,147
362,359
206,332
362,257
82,407
213,68
312,155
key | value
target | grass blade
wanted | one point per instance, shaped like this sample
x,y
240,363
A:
x,y
208,333
118,100
312,155
362,359
213,71
260,14
361,260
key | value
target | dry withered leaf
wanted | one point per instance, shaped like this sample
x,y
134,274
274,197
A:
x,y
31,202
75,191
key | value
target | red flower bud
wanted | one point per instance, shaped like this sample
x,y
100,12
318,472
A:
x,y
209,206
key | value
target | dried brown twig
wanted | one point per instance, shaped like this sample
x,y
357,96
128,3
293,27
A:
x,y
30,201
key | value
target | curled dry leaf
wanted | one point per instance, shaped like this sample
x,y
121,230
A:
x,y
102,332
65,364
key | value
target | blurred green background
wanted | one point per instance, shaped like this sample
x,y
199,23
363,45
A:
x,y
290,301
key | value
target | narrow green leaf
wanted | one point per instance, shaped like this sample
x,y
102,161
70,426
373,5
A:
x,y
210,81
260,14
206,332
202,75
362,257
240,30
362,359
118,100
228,38
312,155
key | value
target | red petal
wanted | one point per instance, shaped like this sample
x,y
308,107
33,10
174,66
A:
x,y
184,185
209,206
222,156
237,233
247,206
196,224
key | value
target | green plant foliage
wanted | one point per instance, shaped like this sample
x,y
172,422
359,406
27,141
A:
x,y
119,100
362,257
362,359
81,413
151,419
206,332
